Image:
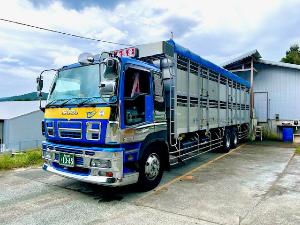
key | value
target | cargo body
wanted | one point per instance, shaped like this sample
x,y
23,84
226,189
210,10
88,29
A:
x,y
159,107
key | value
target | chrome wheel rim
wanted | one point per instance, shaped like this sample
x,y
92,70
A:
x,y
235,140
227,141
152,166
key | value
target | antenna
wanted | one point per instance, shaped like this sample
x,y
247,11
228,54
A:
x,y
172,35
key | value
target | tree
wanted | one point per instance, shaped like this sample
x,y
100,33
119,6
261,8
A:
x,y
292,55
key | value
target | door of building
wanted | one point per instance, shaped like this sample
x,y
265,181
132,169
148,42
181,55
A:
x,y
261,106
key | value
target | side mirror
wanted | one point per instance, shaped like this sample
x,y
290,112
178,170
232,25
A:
x,y
40,83
107,88
111,69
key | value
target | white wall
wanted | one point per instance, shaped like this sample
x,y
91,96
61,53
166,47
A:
x,y
23,132
283,87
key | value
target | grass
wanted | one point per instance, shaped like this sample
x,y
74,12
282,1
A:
x,y
297,151
28,158
269,135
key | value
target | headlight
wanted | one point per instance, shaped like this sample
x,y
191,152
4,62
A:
x,y
47,155
101,163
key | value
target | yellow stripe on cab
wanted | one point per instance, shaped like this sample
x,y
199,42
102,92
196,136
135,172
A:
x,y
78,113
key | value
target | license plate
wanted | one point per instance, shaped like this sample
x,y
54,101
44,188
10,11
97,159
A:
x,y
66,159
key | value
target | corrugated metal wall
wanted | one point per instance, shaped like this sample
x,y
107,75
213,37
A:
x,y
283,87
23,132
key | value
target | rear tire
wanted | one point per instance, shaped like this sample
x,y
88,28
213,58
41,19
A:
x,y
151,169
234,138
226,141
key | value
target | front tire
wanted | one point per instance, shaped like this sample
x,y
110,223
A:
x,y
151,169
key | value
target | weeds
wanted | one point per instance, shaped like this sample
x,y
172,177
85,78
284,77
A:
x,y
28,158
297,151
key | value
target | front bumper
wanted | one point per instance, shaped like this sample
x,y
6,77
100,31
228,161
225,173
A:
x,y
101,180
83,170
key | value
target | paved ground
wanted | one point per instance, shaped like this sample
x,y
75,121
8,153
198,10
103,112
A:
x,y
255,184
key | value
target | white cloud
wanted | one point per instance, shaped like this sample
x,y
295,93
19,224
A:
x,y
9,60
212,28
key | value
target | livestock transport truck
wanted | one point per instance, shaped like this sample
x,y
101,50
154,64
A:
x,y
125,116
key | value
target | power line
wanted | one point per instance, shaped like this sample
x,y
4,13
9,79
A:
x,y
60,32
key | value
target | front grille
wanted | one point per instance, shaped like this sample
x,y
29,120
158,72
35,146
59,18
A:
x,y
70,129
70,134
75,151
93,130
50,128
78,161
95,136
89,153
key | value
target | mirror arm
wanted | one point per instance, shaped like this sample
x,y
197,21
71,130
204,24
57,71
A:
x,y
100,74
40,92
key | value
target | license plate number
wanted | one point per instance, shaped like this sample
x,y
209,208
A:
x,y
66,159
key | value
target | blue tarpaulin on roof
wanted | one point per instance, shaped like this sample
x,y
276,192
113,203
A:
x,y
197,59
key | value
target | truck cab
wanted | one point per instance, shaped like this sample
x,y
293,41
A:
x,y
102,120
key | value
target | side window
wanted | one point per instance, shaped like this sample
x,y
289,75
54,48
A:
x,y
136,82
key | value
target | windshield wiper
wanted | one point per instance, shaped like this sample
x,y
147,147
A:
x,y
87,102
52,102
65,102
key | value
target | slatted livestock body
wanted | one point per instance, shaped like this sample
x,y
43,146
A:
x,y
207,106
205,96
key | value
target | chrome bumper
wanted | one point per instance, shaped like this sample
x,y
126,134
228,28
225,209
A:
x,y
101,180
94,175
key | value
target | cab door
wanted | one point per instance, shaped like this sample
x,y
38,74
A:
x,y
137,104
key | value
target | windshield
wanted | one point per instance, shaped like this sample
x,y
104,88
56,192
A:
x,y
78,84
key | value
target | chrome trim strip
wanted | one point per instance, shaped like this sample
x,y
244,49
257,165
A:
x,y
50,128
150,124
89,131
71,129
131,151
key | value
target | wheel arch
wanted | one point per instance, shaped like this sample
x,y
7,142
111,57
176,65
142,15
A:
x,y
157,140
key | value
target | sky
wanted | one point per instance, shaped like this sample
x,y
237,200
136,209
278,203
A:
x,y
216,30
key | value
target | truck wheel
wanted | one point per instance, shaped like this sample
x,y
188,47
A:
x,y
234,138
226,141
151,169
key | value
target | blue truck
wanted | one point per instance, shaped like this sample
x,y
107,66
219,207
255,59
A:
x,y
126,116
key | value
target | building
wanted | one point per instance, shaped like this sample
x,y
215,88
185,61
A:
x,y
20,125
275,90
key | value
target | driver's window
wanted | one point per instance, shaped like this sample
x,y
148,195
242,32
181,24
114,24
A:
x,y
136,87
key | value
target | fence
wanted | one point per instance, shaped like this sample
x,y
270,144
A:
x,y
20,146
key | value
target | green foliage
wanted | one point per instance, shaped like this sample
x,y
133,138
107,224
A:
x,y
29,158
269,135
297,151
32,96
292,55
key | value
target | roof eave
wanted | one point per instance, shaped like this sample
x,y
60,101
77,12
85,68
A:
x,y
251,54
